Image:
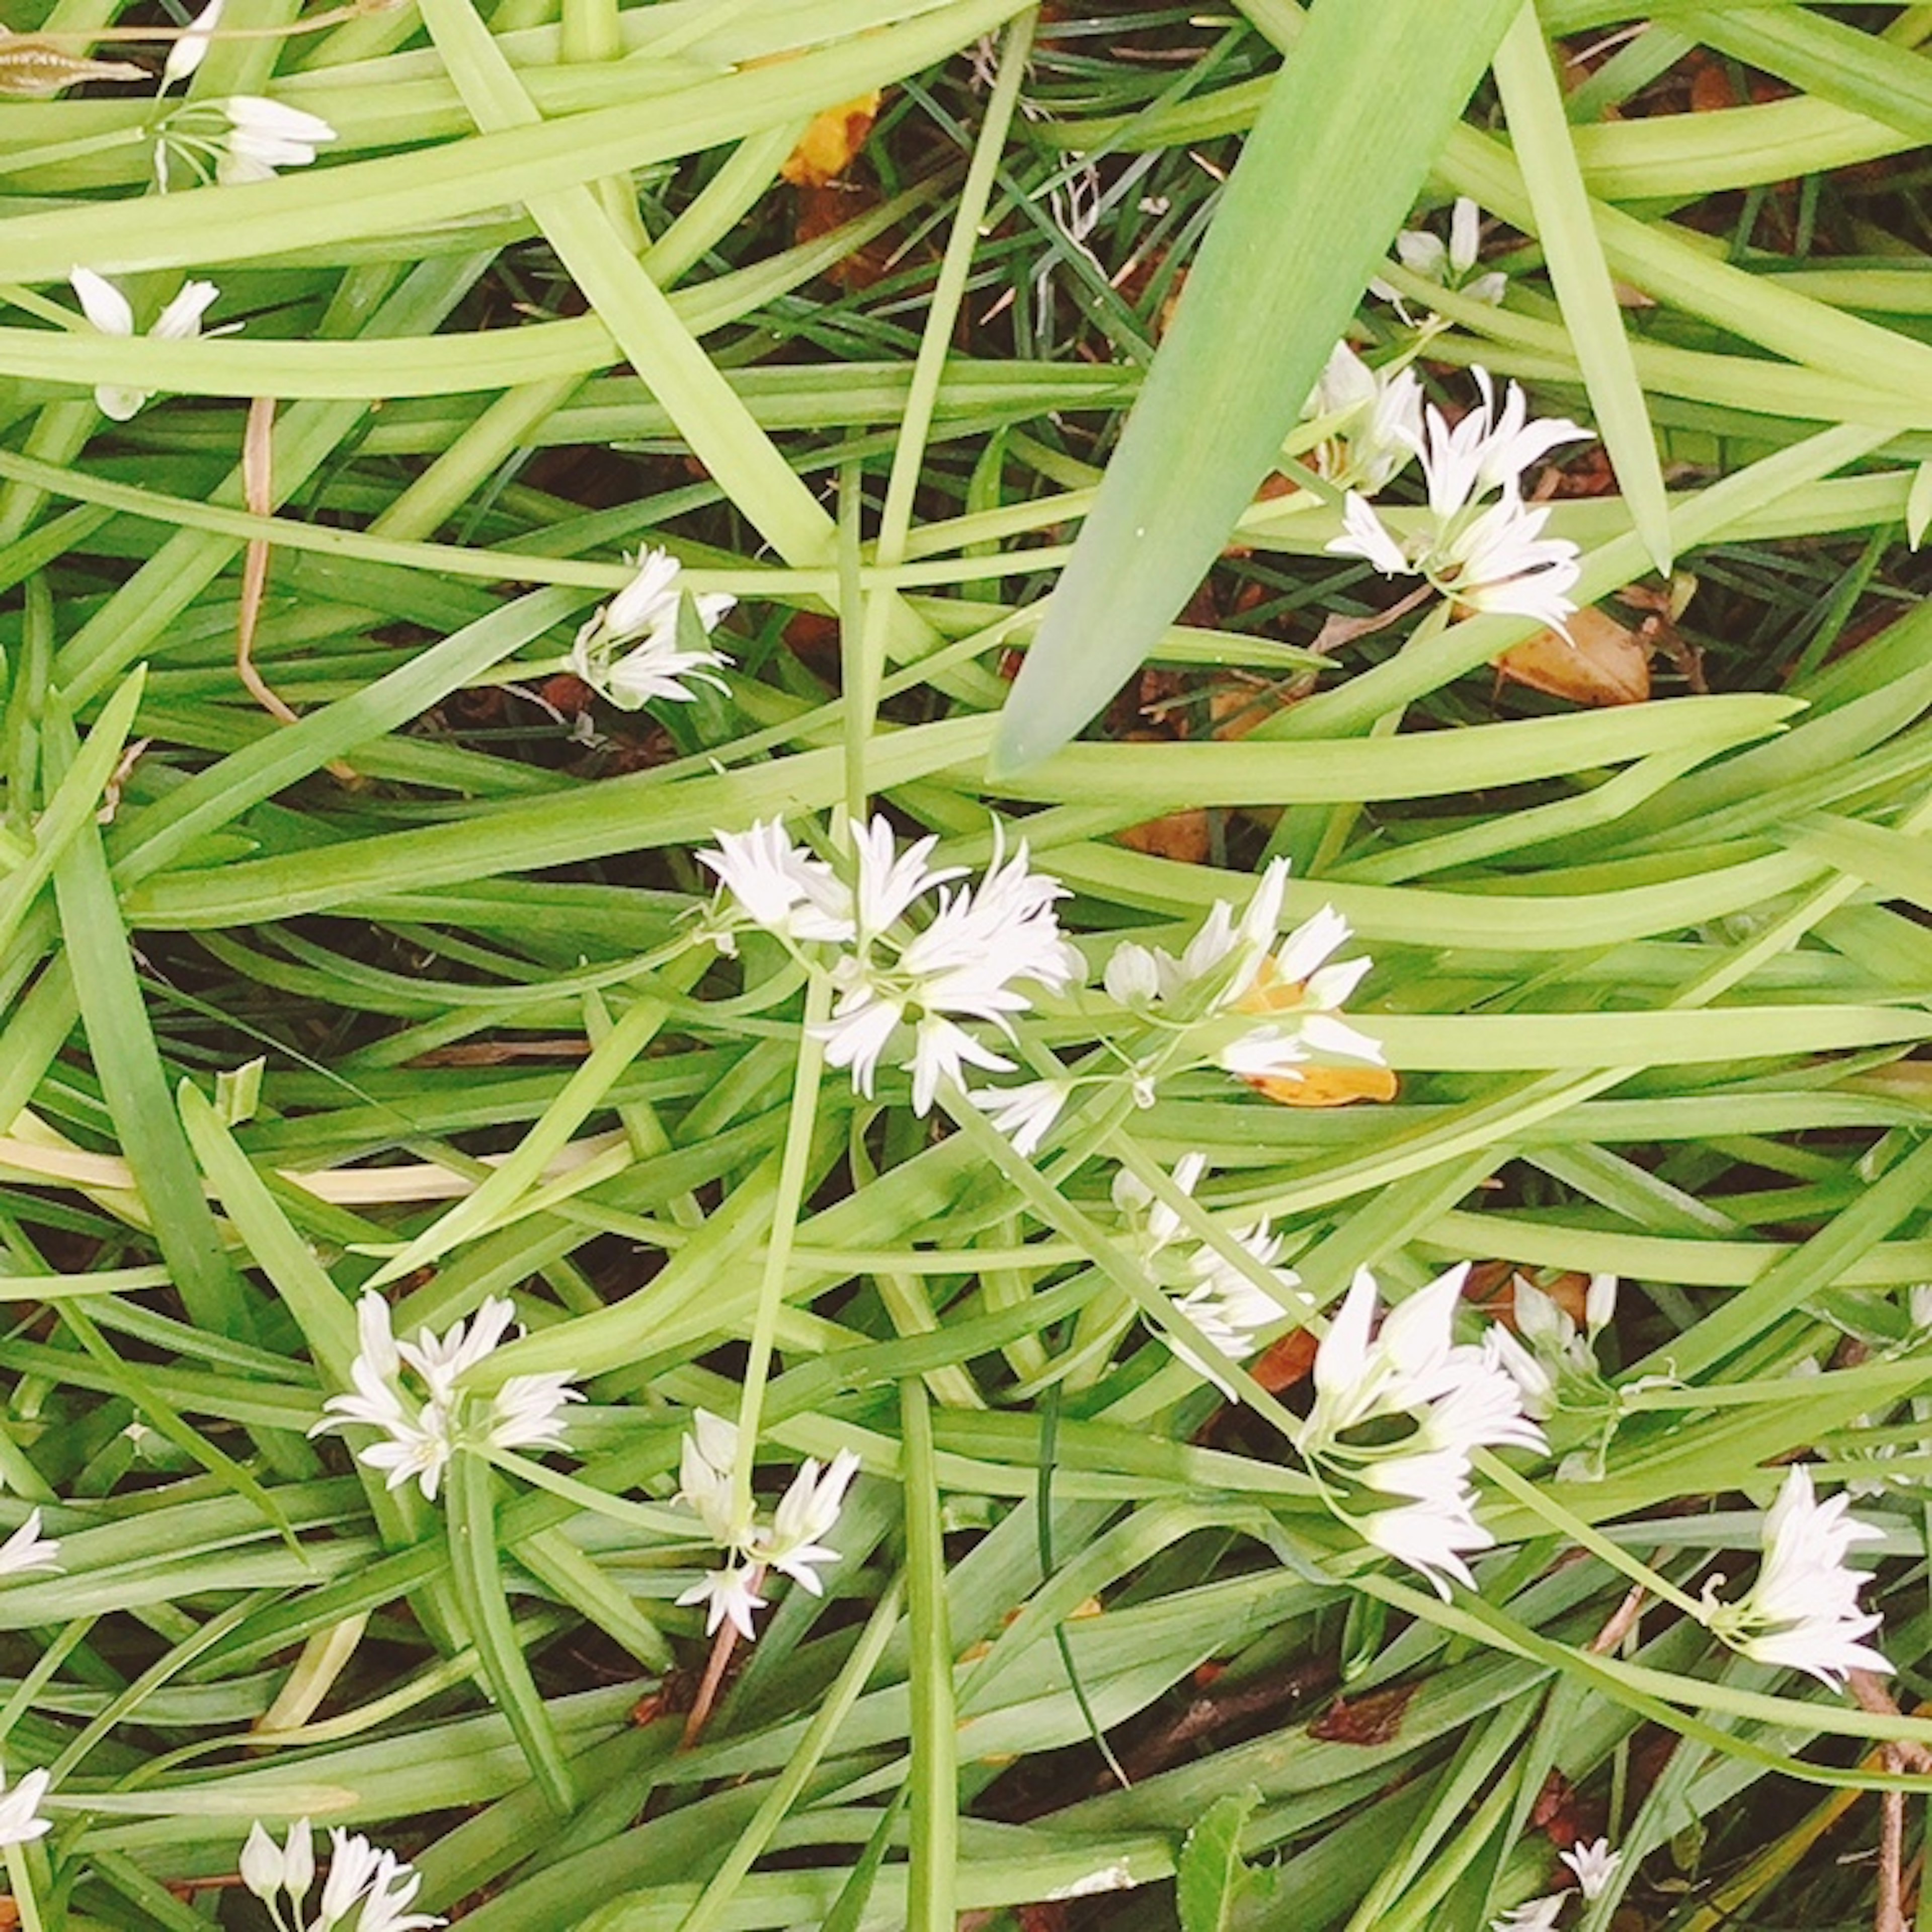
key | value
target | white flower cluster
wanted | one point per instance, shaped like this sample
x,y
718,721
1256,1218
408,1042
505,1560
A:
x,y
1595,1865
1446,1399
245,138
1450,265
649,614
1802,1612
1231,967
380,1883
1221,1300
1482,555
967,962
1369,422
419,1433
791,1543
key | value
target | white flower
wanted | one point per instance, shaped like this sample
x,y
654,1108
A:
x,y
1152,1221
20,1821
1228,1307
648,607
421,1433
1493,558
353,1862
108,310
265,135
966,963
265,1870
1536,1915
807,1511
1802,1612
392,1889
707,1457
1023,1114
1457,1398
1132,975
27,1549
780,885
730,1595
1595,1865
243,139
791,1542
187,53
1448,266
1372,420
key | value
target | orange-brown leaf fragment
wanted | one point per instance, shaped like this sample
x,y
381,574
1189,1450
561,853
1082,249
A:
x,y
828,146
1329,1087
1600,662
1181,835
1373,1720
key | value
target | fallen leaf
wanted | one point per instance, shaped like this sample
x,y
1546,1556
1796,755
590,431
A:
x,y
828,146
822,208
31,68
1373,1720
1181,835
1600,662
1329,1087
1285,1362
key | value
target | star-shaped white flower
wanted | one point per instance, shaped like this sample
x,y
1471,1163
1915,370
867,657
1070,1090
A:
x,y
20,1819
109,311
1595,1865
1802,1612
646,613
780,886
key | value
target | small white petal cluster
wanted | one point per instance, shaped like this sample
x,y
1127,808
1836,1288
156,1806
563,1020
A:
x,y
1595,1865
1221,1300
1233,966
792,1542
1458,1398
421,1431
20,1819
1533,1914
1448,264
245,138
28,1549
647,613
1551,1360
1369,420
109,312
359,1874
1482,555
1802,1612
968,961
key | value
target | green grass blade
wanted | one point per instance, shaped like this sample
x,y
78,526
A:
x,y
1581,277
1306,216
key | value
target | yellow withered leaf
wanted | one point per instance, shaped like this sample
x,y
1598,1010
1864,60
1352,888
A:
x,y
30,68
829,146
1329,1087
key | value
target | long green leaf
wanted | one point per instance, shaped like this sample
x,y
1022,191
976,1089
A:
x,y
1320,188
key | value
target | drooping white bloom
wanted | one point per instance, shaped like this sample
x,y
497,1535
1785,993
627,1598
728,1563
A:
x,y
1802,1612
1456,1398
353,1863
1023,1114
1534,1915
27,1549
1151,1221
968,962
265,135
245,138
648,609
780,885
421,1433
708,1457
108,310
20,1819
187,53
1372,419
1228,1306
1595,1865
